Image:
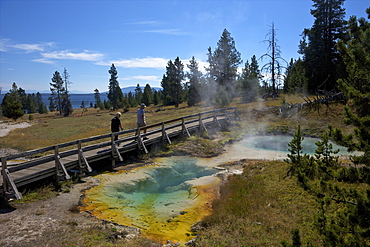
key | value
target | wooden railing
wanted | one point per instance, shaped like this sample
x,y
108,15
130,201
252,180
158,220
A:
x,y
59,159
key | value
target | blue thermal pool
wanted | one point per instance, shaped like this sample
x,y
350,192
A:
x,y
162,200
279,143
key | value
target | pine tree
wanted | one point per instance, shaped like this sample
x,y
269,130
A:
x,y
31,105
296,151
249,81
222,98
194,85
98,102
157,97
67,108
224,63
172,93
41,107
319,45
57,90
147,95
115,94
138,94
23,98
66,81
59,96
167,84
52,105
295,77
131,99
179,77
11,104
356,87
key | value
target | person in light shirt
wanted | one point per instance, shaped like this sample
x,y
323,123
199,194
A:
x,y
141,120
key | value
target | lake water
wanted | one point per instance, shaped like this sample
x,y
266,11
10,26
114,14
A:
x,y
76,99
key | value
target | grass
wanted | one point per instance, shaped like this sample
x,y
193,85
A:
x,y
259,208
40,193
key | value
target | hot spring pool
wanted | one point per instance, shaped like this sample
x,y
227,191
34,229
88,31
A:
x,y
165,199
280,143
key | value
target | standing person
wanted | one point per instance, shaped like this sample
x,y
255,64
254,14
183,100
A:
x,y
116,124
141,120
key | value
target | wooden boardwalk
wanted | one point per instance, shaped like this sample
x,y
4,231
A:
x,y
61,160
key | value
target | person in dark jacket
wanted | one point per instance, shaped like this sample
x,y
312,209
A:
x,y
116,124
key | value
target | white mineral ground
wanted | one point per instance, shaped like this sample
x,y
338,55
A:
x,y
5,128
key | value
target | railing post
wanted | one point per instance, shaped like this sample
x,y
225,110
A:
x,y
201,124
60,170
164,135
184,129
215,120
4,166
56,157
138,138
112,150
79,146
237,115
10,190
82,161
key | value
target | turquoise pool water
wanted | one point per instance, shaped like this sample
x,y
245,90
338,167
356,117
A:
x,y
280,143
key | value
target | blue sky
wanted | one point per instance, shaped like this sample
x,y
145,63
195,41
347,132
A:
x,y
38,38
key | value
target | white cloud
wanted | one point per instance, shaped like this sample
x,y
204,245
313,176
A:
x,y
166,31
43,60
5,46
149,62
143,78
144,23
29,47
85,55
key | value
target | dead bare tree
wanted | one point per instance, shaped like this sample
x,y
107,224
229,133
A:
x,y
274,66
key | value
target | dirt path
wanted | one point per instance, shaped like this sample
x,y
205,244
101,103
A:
x,y
47,222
